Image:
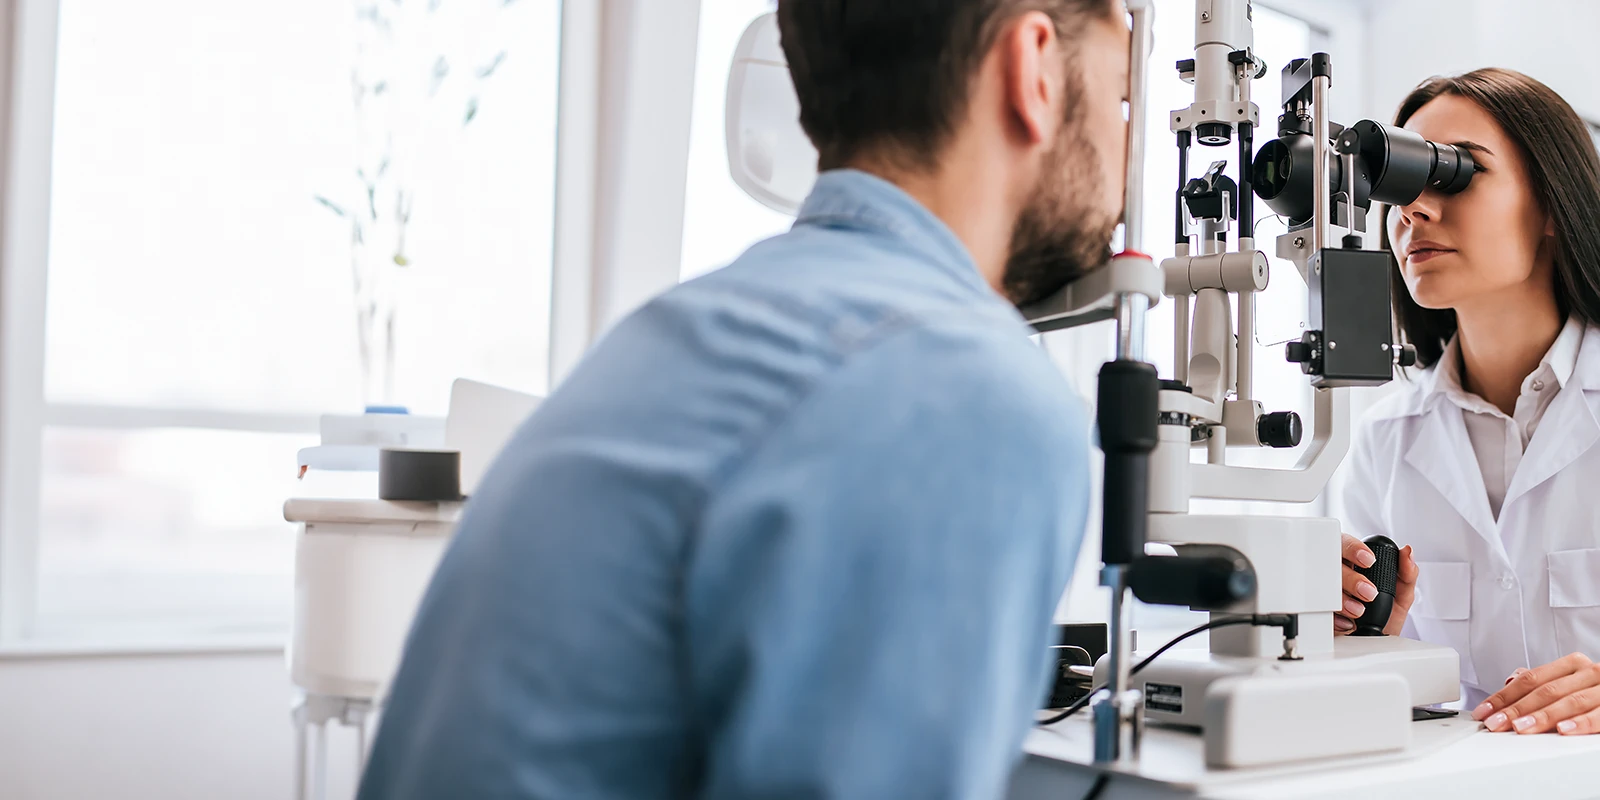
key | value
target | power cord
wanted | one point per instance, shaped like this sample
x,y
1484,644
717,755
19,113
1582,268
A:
x,y
1099,787
1288,622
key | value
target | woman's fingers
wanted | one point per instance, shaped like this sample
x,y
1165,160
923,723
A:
x,y
1579,694
1358,587
1531,690
1580,725
1405,589
1356,553
1357,590
1405,592
1409,571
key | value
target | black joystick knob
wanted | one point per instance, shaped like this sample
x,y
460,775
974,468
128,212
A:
x,y
1406,355
1279,429
1384,574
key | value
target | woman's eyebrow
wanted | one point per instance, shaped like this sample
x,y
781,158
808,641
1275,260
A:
x,y
1473,146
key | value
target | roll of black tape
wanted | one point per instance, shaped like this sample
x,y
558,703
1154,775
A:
x,y
419,475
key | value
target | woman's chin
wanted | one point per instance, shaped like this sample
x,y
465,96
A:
x,y
1433,295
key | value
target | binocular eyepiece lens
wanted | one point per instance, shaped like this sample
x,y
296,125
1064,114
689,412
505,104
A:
x,y
1403,164
1453,168
1395,166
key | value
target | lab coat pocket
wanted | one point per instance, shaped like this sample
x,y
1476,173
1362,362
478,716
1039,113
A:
x,y
1575,600
1442,609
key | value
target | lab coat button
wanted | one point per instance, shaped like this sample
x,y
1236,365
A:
x,y
1538,385
1507,582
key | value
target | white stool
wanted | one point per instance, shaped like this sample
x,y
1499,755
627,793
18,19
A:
x,y
361,567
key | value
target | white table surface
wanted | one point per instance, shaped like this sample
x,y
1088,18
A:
x,y
1448,759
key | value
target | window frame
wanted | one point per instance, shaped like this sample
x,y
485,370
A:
x,y
620,65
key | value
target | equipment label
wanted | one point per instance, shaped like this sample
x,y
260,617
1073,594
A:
x,y
1165,697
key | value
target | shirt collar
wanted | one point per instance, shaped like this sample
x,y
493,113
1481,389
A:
x,y
1558,363
854,199
1563,356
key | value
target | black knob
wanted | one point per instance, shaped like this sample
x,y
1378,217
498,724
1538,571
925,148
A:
x,y
1406,355
1298,352
1384,574
1279,429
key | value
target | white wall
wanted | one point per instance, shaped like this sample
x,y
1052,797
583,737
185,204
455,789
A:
x,y
1552,40
153,728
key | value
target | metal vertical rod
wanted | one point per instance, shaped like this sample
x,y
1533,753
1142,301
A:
x,y
1127,457
1319,163
1180,227
1217,445
1350,189
1244,345
1111,730
1247,199
1180,337
1138,89
1131,309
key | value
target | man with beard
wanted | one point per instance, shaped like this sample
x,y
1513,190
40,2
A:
x,y
797,529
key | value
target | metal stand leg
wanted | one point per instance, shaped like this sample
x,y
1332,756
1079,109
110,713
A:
x,y
320,763
298,713
311,751
364,718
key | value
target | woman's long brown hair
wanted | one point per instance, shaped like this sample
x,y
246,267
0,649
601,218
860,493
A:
x,y
1564,169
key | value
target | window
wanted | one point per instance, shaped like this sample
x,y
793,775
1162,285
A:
x,y
720,221
229,182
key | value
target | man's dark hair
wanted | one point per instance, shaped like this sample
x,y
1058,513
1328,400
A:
x,y
1565,172
896,74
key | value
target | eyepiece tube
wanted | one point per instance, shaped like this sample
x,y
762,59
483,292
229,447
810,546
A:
x,y
1403,165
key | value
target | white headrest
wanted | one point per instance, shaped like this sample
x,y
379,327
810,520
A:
x,y
769,155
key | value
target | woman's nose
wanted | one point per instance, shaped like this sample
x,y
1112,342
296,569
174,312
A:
x,y
1423,209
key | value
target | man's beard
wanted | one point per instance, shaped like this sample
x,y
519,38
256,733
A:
x,y
1060,235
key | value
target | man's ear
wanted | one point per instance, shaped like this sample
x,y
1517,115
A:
x,y
1028,48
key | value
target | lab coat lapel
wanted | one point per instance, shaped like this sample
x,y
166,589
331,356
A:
x,y
1569,427
1443,454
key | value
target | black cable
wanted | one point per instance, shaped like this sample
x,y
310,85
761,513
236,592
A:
x,y
1070,710
1259,619
1099,787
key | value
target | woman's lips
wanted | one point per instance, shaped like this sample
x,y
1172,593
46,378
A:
x,y
1429,254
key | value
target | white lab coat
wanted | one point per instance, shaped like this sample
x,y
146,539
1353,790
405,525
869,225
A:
x,y
1520,591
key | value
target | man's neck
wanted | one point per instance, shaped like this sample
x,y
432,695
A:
x,y
974,208
1503,339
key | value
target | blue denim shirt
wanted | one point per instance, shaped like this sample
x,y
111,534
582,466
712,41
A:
x,y
795,529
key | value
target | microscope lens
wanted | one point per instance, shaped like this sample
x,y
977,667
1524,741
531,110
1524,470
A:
x,y
1452,170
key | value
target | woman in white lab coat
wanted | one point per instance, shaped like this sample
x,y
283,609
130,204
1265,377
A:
x,y
1486,466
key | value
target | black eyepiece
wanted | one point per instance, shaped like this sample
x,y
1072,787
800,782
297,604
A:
x,y
1395,166
1403,164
